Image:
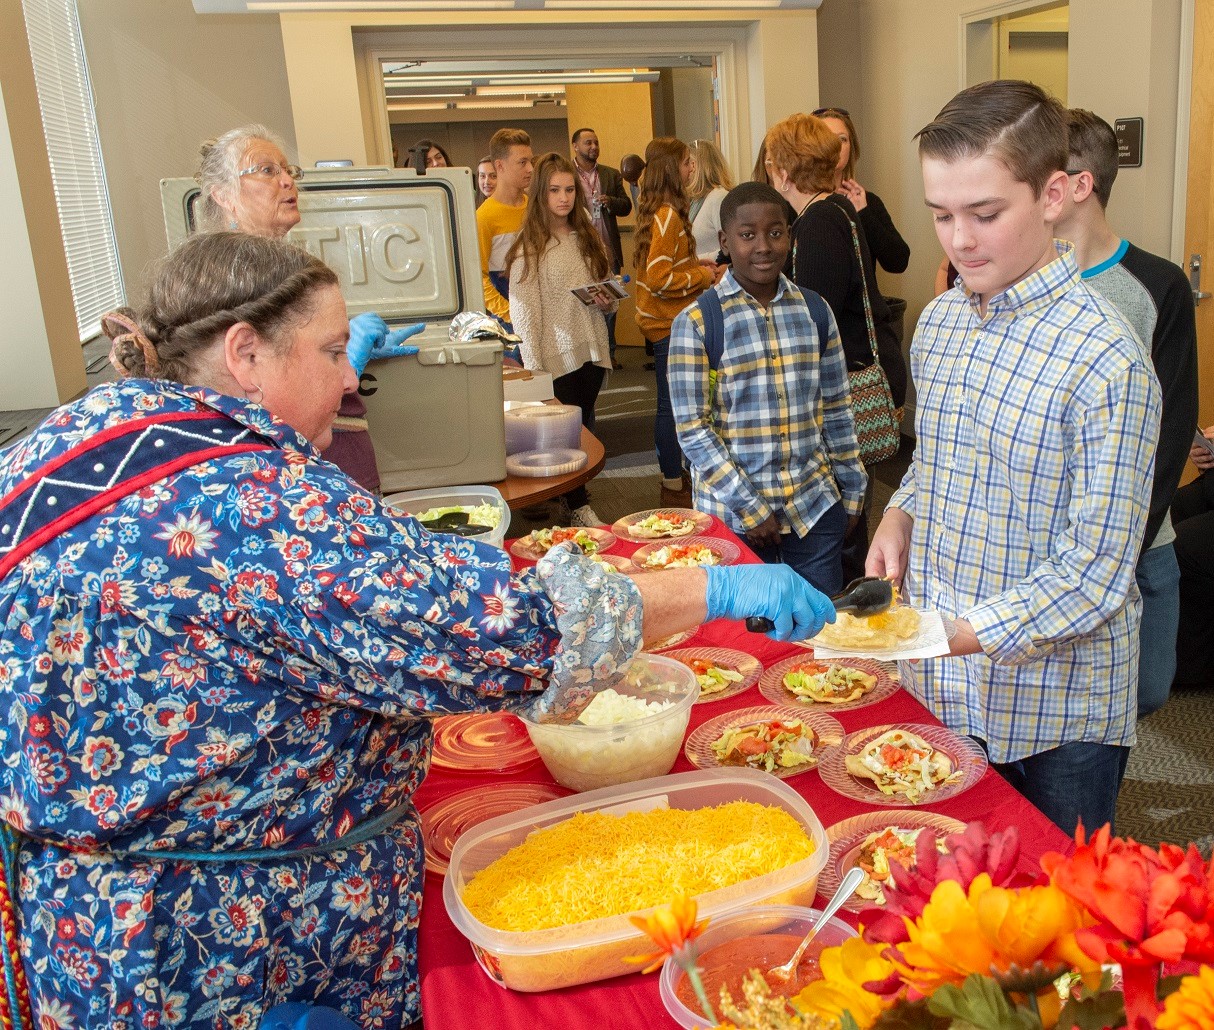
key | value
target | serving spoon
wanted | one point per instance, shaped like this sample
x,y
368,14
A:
x,y
847,888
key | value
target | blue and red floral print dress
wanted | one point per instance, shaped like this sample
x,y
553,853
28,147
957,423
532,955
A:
x,y
242,657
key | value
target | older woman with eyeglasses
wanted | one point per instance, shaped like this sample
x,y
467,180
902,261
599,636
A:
x,y
248,185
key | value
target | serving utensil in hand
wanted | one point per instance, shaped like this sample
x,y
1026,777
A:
x,y
868,595
847,888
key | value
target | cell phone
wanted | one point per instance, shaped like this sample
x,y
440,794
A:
x,y
1201,441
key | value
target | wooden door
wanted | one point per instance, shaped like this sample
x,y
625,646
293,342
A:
x,y
1199,216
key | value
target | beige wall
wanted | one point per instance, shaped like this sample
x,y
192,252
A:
x,y
165,79
894,63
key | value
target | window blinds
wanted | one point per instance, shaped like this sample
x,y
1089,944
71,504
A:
x,y
70,124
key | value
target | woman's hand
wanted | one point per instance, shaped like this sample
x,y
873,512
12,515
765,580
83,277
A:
x,y
765,534
775,592
371,338
890,547
1201,457
854,192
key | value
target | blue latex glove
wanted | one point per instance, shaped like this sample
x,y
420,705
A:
x,y
774,591
370,338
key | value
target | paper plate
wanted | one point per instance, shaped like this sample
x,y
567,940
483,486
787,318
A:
x,y
482,742
527,549
559,461
726,550
847,837
967,756
699,752
624,528
445,819
771,683
736,661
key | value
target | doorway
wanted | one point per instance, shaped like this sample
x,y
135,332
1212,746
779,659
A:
x,y
1023,39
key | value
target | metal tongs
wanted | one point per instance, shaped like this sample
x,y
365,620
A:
x,y
868,595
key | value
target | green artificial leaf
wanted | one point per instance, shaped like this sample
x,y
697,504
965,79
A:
x,y
1168,985
1094,1012
848,1022
910,1015
979,1003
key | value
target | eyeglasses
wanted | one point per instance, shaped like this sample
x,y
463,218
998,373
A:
x,y
831,110
272,170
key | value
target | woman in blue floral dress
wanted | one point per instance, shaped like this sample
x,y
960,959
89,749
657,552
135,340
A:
x,y
220,658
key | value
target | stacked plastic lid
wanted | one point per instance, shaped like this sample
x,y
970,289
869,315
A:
x,y
543,427
554,462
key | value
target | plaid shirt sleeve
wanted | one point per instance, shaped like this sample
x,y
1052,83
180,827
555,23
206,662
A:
x,y
687,372
838,425
1086,577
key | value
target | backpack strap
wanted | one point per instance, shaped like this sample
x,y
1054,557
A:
x,y
709,304
820,313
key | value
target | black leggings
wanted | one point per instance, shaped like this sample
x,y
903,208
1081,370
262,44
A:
x,y
581,389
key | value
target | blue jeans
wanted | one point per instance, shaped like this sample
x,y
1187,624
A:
x,y
1074,781
665,439
817,556
1158,577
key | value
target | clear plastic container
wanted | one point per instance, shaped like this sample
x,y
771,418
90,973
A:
x,y
588,757
450,496
544,960
767,919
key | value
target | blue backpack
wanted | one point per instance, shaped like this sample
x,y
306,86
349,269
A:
x,y
709,304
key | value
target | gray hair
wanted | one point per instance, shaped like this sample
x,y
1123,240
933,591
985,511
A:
x,y
206,286
218,172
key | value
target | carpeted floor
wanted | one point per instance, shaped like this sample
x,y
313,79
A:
x,y
1168,792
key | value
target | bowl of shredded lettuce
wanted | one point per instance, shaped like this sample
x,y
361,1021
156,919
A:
x,y
477,512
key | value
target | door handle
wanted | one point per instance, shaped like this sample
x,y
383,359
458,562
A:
x,y
1195,279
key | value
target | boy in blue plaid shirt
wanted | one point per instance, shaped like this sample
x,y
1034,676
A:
x,y
1024,507
771,445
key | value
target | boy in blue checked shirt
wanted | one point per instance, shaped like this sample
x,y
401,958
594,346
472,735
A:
x,y
1025,504
771,444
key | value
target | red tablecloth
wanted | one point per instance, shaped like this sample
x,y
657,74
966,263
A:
x,y
456,993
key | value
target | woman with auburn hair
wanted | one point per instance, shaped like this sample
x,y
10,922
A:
x,y
669,278
830,256
712,180
888,247
558,248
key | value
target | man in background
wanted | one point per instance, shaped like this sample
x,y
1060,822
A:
x,y
500,217
1154,297
605,193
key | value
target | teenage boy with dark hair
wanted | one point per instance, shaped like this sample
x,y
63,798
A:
x,y
1025,503
1155,298
772,446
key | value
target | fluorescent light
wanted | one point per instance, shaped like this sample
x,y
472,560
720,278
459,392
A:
x,y
507,91
421,105
472,105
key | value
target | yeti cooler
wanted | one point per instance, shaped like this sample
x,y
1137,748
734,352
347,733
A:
x,y
404,246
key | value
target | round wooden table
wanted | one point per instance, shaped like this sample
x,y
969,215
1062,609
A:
x,y
523,491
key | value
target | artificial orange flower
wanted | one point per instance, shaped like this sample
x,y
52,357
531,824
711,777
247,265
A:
x,y
671,928
946,942
845,971
1191,1006
1147,907
1029,924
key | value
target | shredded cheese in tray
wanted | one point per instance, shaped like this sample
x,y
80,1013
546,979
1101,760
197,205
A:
x,y
595,865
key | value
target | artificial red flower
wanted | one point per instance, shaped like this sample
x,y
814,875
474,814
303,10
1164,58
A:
x,y
1148,907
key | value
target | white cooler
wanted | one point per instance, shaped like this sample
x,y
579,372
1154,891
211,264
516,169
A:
x,y
403,246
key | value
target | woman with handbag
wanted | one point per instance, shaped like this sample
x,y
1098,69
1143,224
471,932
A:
x,y
556,249
831,257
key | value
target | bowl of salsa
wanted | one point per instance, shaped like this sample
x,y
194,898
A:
x,y
753,938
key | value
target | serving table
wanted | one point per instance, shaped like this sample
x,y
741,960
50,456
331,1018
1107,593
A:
x,y
457,994
523,491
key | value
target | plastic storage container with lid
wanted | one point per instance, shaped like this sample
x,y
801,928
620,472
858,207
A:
x,y
544,960
415,501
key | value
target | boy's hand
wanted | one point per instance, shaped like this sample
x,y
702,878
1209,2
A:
x,y
1201,457
765,534
890,547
